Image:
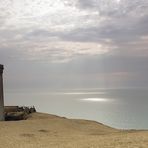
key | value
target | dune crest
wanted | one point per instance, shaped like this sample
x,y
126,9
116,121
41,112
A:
x,y
45,130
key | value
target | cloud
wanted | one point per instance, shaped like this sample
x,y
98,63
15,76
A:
x,y
114,8
58,51
36,30
100,23
103,40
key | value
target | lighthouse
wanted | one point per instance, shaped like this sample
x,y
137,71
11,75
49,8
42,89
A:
x,y
1,94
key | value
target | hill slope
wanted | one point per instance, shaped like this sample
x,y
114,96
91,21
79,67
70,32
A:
x,y
50,131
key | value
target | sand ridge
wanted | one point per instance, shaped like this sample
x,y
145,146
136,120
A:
x,y
50,131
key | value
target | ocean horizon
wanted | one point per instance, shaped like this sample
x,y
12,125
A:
x,y
118,108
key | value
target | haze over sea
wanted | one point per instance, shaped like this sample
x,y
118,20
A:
x,y
119,108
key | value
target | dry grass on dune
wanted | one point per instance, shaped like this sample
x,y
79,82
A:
x,y
49,131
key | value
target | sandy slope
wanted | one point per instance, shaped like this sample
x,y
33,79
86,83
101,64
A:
x,y
49,131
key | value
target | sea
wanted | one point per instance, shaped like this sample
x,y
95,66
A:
x,y
125,108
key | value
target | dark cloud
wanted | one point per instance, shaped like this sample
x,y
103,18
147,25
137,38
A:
x,y
118,30
114,8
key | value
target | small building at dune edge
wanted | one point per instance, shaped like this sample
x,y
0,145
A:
x,y
1,94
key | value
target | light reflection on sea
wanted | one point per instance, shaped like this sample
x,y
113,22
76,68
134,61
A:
x,y
119,108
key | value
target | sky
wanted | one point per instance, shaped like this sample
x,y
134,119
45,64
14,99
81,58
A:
x,y
62,44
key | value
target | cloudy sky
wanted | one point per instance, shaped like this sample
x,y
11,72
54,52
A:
x,y
50,44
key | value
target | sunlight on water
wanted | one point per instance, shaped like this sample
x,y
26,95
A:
x,y
119,108
83,93
95,100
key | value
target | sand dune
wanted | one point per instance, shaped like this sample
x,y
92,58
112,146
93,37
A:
x,y
49,131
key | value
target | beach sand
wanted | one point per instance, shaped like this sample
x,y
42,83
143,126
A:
x,y
50,131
